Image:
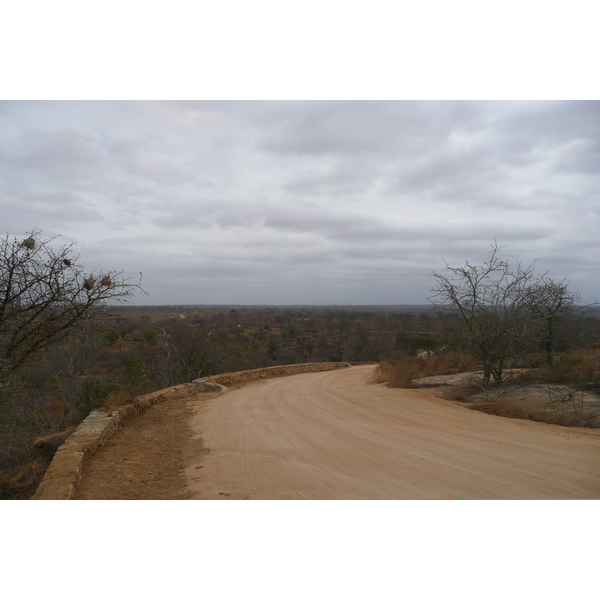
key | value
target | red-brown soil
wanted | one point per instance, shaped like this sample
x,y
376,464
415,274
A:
x,y
144,460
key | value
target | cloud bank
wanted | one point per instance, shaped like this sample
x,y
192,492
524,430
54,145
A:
x,y
281,202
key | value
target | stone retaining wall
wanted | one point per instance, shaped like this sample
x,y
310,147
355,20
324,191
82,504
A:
x,y
63,475
225,379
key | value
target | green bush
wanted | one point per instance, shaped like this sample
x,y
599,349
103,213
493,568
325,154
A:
x,y
111,337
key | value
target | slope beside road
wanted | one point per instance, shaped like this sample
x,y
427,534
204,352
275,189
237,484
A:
x,y
330,435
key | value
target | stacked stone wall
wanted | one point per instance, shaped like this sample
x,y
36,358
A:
x,y
61,479
225,379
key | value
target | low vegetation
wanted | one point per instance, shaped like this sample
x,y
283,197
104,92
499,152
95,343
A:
x,y
579,369
401,372
571,414
566,393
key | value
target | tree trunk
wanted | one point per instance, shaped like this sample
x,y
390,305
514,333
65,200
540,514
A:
x,y
498,374
550,341
487,373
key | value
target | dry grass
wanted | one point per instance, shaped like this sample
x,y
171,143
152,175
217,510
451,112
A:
x,y
579,369
563,383
23,462
398,373
117,398
22,485
51,443
570,416
402,372
462,393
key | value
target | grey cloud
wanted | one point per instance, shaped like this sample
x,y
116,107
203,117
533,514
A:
x,y
356,229
552,122
370,127
271,201
139,158
183,213
64,152
327,128
181,219
468,170
53,210
348,177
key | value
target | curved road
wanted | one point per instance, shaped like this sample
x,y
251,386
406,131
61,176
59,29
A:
x,y
332,436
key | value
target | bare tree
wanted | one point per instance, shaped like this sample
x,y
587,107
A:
x,y
551,304
45,293
187,352
335,342
492,301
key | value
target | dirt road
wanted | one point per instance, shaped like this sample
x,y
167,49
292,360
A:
x,y
331,436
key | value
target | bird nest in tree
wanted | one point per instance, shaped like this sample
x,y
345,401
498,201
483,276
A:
x,y
89,283
29,243
106,280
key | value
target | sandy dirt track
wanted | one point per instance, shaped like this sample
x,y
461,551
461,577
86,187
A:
x,y
331,436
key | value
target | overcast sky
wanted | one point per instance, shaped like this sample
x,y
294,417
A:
x,y
324,202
